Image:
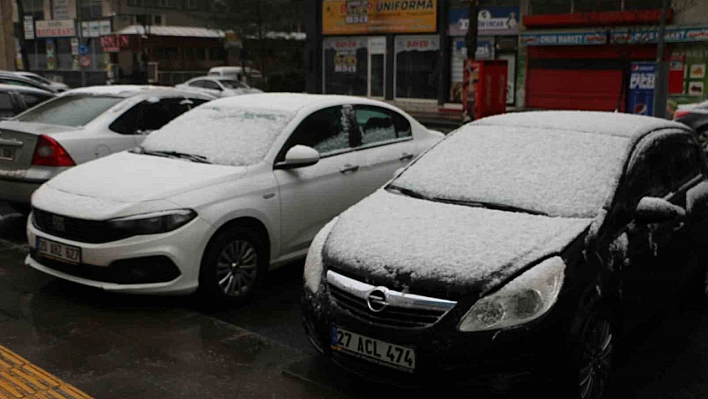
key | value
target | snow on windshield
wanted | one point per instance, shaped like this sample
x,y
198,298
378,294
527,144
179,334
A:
x,y
224,135
556,172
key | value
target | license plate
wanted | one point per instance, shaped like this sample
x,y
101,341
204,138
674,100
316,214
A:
x,y
60,252
374,350
7,153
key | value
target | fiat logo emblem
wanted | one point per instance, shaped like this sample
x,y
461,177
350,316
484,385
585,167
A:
x,y
377,300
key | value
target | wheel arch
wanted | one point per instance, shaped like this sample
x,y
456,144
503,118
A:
x,y
242,221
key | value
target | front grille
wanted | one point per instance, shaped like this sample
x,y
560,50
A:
x,y
80,230
402,311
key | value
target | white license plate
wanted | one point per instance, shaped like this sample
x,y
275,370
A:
x,y
374,350
61,252
7,153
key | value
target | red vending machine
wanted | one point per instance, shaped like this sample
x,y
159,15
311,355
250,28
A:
x,y
485,82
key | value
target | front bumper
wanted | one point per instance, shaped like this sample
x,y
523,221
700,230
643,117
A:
x,y
183,248
499,361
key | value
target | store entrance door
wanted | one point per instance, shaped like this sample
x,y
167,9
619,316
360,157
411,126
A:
x,y
377,67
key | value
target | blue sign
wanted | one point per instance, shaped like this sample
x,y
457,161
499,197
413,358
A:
x,y
83,49
618,36
491,21
641,88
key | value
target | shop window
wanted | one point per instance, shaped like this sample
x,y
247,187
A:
x,y
596,5
191,4
200,54
539,7
171,53
346,66
217,54
417,66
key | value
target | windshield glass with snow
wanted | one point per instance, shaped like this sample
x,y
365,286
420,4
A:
x,y
71,110
552,172
221,135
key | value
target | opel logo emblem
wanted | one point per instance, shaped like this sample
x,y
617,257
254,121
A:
x,y
58,224
377,299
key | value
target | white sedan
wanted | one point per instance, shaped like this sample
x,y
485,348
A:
x,y
218,86
220,194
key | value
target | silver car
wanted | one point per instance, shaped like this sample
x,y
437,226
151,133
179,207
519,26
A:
x,y
218,86
79,126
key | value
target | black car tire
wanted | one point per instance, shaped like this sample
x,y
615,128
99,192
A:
x,y
248,267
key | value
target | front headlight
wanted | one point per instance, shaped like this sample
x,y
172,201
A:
x,y
313,263
152,223
524,299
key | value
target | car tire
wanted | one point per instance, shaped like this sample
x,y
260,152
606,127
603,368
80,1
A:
x,y
594,351
233,266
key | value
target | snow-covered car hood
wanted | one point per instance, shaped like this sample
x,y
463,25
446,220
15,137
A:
x,y
441,249
126,178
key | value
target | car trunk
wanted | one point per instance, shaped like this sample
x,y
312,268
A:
x,y
18,142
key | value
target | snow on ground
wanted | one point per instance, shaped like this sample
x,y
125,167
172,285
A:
x,y
391,236
225,135
559,173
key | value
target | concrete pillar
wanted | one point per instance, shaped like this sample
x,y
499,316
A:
x,y
7,36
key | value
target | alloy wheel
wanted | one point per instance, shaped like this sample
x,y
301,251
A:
x,y
237,268
596,359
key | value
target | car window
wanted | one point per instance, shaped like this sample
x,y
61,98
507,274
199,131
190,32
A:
x,y
232,84
650,172
197,83
71,110
148,116
7,109
16,82
32,99
211,85
325,130
685,161
379,125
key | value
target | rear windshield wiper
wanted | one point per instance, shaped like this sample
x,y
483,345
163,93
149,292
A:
x,y
175,154
488,205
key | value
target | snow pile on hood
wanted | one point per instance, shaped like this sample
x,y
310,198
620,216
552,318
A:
x,y
558,173
429,246
225,135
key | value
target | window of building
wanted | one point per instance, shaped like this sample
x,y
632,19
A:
x,y
538,7
217,54
200,54
191,4
345,66
417,66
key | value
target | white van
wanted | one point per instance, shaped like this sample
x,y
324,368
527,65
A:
x,y
236,72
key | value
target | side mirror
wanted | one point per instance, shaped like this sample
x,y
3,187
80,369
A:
x,y
299,156
657,210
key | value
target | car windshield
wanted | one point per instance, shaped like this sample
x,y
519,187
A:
x,y
551,172
221,135
72,110
232,84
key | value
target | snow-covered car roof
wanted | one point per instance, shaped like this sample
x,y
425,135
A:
x,y
603,123
291,102
24,89
132,90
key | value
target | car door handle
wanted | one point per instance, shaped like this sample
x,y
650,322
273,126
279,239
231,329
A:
x,y
349,168
406,157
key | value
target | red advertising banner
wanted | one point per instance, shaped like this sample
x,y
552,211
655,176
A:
x,y
484,89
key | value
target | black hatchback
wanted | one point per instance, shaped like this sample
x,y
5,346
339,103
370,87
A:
x,y
520,248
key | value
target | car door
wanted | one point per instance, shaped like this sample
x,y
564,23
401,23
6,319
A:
x,y
311,196
386,144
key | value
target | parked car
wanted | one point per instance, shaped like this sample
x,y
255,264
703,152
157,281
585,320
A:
x,y
10,78
695,116
220,194
16,99
56,86
79,126
522,247
218,87
235,72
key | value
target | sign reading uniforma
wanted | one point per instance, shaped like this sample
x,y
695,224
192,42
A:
x,y
378,16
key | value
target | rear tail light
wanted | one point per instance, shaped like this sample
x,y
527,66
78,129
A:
x,y
681,114
51,153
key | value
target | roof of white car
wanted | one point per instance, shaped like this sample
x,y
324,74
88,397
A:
x,y
290,102
603,123
128,90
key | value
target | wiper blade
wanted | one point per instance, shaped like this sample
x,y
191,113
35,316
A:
x,y
488,205
408,192
175,154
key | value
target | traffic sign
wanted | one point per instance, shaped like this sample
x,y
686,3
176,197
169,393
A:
x,y
85,61
83,49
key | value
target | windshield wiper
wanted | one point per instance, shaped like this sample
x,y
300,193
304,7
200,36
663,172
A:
x,y
408,192
175,154
488,205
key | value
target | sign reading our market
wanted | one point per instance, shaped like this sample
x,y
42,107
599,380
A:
x,y
65,28
378,16
672,35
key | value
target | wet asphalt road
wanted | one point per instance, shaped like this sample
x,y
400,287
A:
x,y
116,346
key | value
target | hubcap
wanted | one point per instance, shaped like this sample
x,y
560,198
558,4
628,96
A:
x,y
237,268
597,359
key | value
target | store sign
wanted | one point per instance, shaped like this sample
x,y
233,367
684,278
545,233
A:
x,y
29,27
114,43
672,35
641,88
65,28
417,43
105,27
62,10
491,21
377,16
93,28
345,61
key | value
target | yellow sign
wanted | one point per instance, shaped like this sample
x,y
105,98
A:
x,y
378,16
